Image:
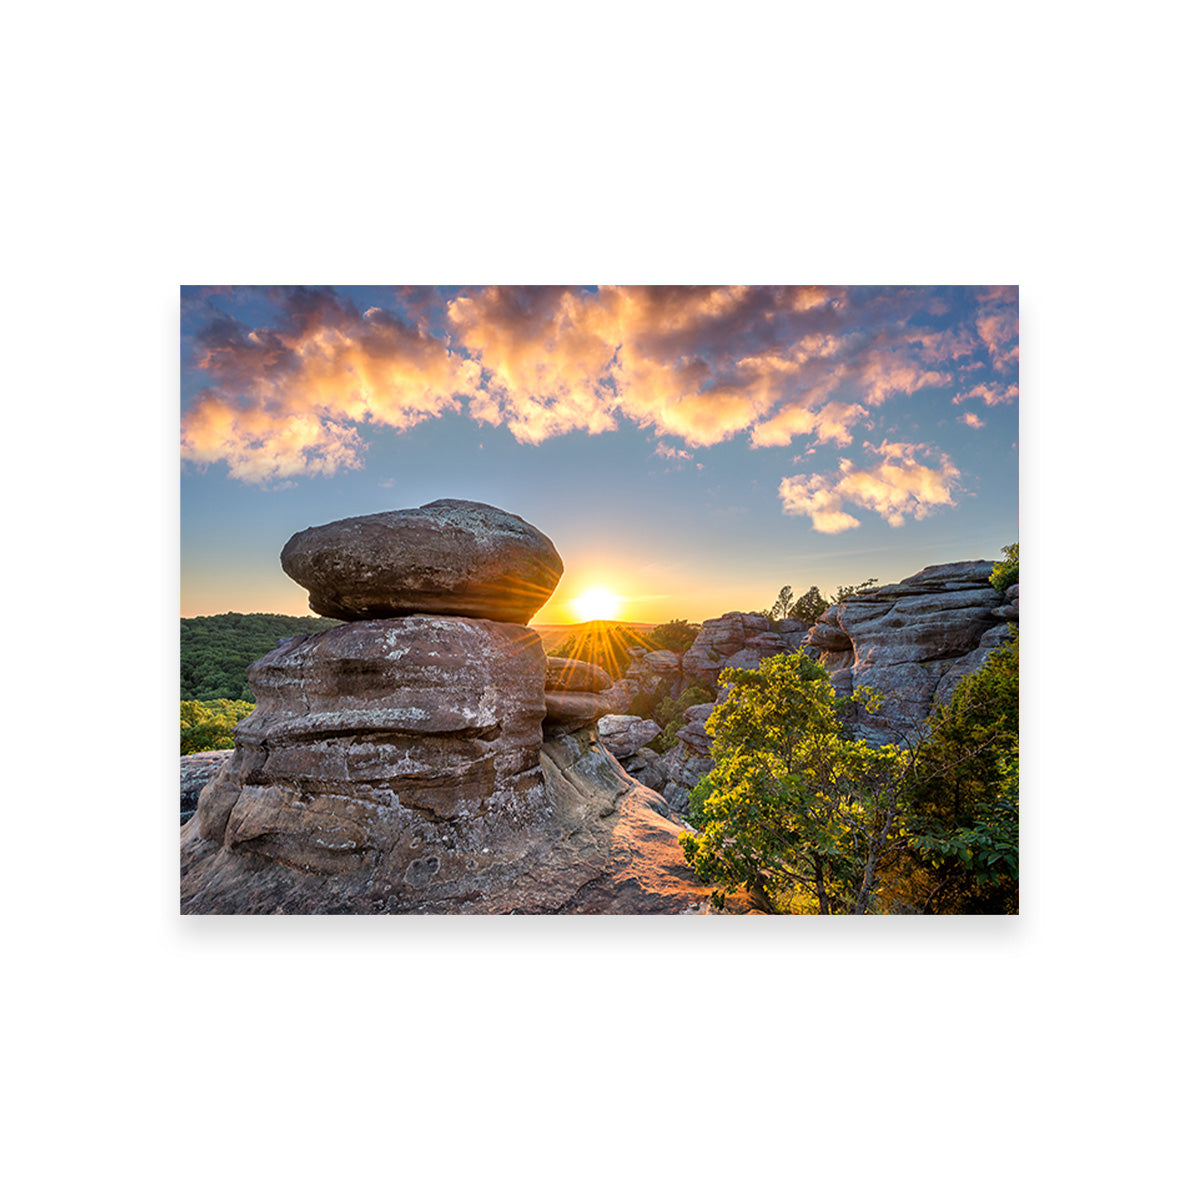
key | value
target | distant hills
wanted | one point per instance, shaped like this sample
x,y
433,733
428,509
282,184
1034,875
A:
x,y
214,652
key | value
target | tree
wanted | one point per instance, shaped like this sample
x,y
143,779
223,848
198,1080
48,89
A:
x,y
782,606
677,635
810,606
852,589
795,811
1008,570
965,812
208,724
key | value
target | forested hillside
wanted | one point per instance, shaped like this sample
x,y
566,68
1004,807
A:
x,y
214,652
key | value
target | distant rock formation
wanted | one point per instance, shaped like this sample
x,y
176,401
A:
x,y
428,761
912,642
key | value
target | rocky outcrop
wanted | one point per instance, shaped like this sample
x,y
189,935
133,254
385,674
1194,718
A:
x,y
577,694
738,639
655,672
912,642
690,759
370,741
428,762
599,844
195,771
450,557
624,734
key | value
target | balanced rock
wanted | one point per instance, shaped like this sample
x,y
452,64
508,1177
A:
x,y
451,557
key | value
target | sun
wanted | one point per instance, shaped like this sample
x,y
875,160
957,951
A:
x,y
596,604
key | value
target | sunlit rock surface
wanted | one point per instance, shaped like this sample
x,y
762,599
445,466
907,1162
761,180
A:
x,y
449,557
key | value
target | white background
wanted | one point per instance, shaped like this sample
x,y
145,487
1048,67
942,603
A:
x,y
1048,145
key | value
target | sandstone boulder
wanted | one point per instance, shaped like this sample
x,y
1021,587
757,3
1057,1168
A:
x,y
624,734
390,754
575,675
573,710
450,557
195,771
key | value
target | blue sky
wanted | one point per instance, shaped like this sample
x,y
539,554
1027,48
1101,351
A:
x,y
689,449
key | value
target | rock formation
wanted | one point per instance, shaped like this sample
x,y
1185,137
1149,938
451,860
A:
x,y
577,694
912,641
397,763
449,557
196,770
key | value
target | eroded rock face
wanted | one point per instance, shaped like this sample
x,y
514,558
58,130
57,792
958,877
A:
x,y
912,641
624,734
737,639
690,759
599,844
451,557
575,675
195,771
383,757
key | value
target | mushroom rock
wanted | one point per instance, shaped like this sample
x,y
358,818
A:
x,y
449,557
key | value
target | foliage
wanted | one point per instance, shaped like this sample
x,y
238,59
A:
x,y
677,635
852,589
812,604
809,607
668,713
214,652
794,809
965,805
208,724
1007,571
782,608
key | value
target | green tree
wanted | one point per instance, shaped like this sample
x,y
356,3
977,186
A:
x,y
810,606
677,635
208,724
852,589
794,811
965,812
1007,571
782,607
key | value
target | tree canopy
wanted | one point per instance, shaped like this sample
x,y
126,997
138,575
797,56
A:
x,y
808,819
214,652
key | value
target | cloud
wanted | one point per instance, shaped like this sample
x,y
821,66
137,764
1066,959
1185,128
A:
x,y
286,399
991,394
997,323
897,486
664,451
298,392
973,420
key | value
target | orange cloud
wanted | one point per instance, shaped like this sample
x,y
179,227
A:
x,y
696,364
997,323
991,394
287,400
896,487
973,420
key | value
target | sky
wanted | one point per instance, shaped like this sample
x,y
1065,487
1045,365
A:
x,y
689,450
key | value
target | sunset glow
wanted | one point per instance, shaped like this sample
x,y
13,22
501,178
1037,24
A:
x,y
596,604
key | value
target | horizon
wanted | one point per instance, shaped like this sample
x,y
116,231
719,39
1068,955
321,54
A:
x,y
689,450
